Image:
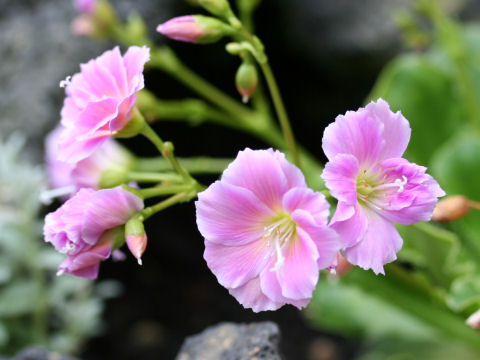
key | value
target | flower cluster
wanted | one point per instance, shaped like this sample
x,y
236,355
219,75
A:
x,y
98,106
266,234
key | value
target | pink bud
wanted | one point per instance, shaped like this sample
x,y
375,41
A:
x,y
474,320
83,25
183,28
195,29
137,244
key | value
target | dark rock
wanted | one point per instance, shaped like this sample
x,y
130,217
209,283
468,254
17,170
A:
x,y
38,353
229,341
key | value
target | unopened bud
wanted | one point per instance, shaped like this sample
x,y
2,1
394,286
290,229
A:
x,y
246,80
197,29
83,25
136,237
474,320
451,208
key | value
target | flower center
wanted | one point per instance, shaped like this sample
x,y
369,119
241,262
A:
x,y
279,233
368,188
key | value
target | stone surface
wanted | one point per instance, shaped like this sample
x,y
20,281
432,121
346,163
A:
x,y
230,341
38,353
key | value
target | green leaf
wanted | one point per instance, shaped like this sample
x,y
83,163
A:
x,y
345,309
465,293
432,248
425,94
18,298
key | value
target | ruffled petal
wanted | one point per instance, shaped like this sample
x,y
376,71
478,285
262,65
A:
x,y
251,296
350,223
340,176
308,200
235,265
231,215
396,129
135,59
325,239
355,133
258,171
112,61
299,274
107,209
378,246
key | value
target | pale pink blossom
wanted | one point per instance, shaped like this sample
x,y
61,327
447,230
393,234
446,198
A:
x,y
266,234
100,101
87,172
80,227
374,185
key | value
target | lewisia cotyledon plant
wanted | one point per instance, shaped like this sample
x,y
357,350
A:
x,y
266,234
80,227
87,172
100,101
374,185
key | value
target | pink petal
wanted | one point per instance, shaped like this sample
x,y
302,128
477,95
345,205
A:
x,y
396,129
251,296
112,61
340,176
325,239
73,149
355,133
272,289
107,209
231,215
306,199
350,223
235,265
292,173
299,275
258,171
135,59
100,81
379,245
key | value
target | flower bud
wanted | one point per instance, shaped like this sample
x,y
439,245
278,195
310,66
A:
x,y
136,237
246,80
474,320
451,208
197,29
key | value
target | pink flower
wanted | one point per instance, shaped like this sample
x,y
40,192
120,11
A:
x,y
100,101
265,231
79,228
373,184
85,6
87,172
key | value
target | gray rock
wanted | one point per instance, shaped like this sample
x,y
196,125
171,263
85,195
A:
x,y
38,353
230,341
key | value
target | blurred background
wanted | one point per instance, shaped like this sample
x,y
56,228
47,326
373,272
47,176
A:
x,y
328,57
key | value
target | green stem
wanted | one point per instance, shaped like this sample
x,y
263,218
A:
x,y
166,149
181,197
153,176
167,61
194,165
281,112
164,190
